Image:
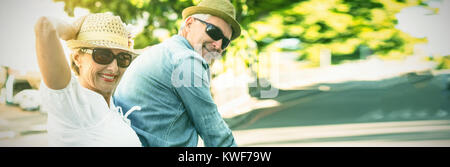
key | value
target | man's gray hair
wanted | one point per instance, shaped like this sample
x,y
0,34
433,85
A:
x,y
200,16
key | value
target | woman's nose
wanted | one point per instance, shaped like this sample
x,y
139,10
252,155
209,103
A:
x,y
113,66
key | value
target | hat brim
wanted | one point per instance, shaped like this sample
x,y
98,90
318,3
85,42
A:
x,y
97,44
205,10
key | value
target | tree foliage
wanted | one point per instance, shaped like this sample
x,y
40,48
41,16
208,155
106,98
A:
x,y
342,26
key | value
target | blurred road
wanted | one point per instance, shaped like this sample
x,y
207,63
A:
x,y
21,128
409,110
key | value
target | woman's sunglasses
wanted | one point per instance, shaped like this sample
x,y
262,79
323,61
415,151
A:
x,y
215,33
106,56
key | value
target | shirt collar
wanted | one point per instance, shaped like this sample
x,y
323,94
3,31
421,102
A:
x,y
185,42
182,40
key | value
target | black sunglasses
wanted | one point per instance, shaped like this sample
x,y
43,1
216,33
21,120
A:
x,y
106,56
215,33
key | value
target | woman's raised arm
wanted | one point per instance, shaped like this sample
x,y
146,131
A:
x,y
52,62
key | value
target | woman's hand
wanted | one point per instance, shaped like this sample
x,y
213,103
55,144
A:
x,y
69,31
64,30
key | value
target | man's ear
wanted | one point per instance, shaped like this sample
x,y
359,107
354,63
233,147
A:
x,y
189,22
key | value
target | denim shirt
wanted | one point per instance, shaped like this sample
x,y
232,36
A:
x,y
170,81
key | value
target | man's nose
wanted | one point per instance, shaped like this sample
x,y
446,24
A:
x,y
218,45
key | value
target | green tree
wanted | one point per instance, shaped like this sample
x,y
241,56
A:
x,y
167,13
158,14
342,26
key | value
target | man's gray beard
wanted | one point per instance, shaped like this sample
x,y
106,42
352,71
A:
x,y
210,56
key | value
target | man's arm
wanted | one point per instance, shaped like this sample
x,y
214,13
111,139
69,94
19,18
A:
x,y
202,110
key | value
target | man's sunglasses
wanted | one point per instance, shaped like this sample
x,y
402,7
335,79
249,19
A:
x,y
215,33
106,56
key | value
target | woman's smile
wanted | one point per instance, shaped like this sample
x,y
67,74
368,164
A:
x,y
108,77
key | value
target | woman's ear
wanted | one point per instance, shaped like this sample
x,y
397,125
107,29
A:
x,y
77,59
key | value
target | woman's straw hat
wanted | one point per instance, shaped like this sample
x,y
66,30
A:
x,y
219,8
103,30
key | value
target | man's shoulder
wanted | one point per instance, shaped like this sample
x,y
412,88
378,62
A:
x,y
178,50
173,51
170,46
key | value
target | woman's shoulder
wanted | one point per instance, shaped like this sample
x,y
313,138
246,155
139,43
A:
x,y
73,105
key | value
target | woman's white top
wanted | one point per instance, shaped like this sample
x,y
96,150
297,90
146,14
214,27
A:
x,y
79,117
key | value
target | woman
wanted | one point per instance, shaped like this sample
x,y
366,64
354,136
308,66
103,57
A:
x,y
79,105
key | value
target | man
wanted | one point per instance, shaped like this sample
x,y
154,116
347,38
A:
x,y
170,81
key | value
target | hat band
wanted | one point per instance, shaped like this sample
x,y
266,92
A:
x,y
102,36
